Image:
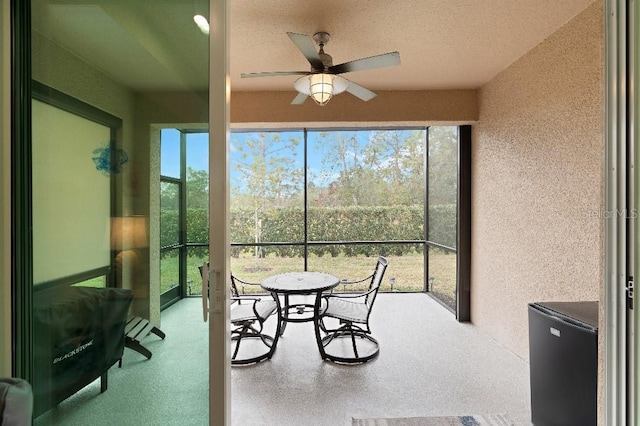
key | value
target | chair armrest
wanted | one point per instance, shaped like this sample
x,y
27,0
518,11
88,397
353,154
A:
x,y
349,296
244,283
357,281
239,299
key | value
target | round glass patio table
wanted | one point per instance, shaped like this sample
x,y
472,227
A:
x,y
299,284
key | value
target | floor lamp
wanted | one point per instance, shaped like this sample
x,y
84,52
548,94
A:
x,y
128,237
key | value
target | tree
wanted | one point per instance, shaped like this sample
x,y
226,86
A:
x,y
197,189
169,196
372,168
401,165
342,171
267,174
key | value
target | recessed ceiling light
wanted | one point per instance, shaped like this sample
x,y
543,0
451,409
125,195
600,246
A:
x,y
202,23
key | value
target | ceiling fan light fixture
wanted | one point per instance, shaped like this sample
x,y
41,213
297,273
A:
x,y
321,86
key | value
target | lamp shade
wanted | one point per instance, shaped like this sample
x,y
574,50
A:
x,y
321,86
129,232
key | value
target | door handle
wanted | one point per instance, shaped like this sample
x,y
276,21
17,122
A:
x,y
205,292
211,288
216,289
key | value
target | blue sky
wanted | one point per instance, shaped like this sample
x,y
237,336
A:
x,y
198,151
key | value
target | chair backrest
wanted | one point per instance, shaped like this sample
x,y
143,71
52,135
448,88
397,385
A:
x,y
234,287
205,280
376,280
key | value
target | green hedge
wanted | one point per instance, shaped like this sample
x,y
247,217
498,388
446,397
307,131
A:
x,y
325,224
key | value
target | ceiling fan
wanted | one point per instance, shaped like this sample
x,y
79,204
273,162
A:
x,y
324,81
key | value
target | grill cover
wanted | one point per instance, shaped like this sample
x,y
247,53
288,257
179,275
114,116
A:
x,y
78,336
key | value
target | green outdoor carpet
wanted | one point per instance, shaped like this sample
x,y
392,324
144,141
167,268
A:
x,y
487,420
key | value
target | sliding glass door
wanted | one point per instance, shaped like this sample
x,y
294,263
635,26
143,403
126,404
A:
x,y
104,79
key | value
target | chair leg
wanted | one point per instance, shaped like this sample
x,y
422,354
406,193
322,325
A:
x,y
267,340
353,342
350,331
136,346
138,328
332,334
158,332
104,381
247,331
237,348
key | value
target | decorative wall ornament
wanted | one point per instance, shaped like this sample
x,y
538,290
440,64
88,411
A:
x,y
109,159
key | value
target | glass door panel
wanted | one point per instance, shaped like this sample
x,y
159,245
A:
x,y
184,227
196,256
196,208
170,213
169,276
171,240
108,77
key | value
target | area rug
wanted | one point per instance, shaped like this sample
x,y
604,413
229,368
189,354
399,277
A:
x,y
486,420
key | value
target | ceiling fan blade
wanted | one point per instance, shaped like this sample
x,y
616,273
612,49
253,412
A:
x,y
379,61
273,74
360,92
308,49
299,99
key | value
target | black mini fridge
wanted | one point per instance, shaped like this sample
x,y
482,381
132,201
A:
x,y
563,361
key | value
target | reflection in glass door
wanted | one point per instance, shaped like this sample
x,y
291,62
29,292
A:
x,y
108,76
184,212
171,244
172,228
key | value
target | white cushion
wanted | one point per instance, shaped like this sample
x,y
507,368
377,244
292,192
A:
x,y
244,311
347,310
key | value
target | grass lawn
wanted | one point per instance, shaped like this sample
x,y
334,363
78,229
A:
x,y
408,271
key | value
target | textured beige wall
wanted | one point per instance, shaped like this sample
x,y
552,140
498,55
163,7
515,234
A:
x,y
537,196
460,106
5,189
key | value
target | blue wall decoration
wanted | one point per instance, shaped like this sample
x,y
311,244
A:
x,y
109,159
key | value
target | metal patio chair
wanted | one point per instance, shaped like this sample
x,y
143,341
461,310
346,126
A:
x,y
248,314
351,341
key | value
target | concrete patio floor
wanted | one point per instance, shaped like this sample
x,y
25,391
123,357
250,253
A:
x,y
429,365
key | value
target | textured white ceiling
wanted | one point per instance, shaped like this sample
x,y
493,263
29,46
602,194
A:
x,y
443,44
